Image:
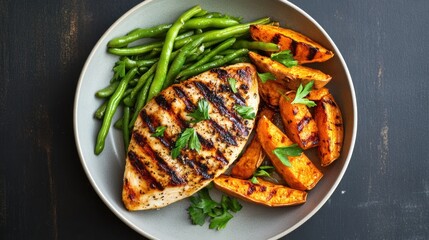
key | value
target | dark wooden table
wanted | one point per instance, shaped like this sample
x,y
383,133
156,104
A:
x,y
44,193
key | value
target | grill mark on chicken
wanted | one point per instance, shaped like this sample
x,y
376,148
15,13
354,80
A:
x,y
219,104
225,135
190,107
175,179
147,120
162,102
219,156
221,73
137,165
238,99
200,168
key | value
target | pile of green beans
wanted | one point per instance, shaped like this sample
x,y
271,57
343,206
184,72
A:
x,y
196,42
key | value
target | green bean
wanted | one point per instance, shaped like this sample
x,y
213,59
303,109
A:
x,y
222,34
179,61
243,59
112,105
141,101
125,129
99,113
119,123
138,34
224,45
129,63
256,45
162,68
221,15
107,91
130,100
201,23
137,50
216,63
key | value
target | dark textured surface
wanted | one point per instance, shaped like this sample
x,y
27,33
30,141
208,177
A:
x,y
44,193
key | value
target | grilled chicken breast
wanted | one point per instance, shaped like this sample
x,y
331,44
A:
x,y
152,178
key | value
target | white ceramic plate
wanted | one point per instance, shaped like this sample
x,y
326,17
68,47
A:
x,y
106,170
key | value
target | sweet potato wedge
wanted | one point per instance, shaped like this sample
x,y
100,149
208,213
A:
x,y
317,94
299,124
302,174
271,91
251,159
265,193
253,156
291,76
329,121
304,49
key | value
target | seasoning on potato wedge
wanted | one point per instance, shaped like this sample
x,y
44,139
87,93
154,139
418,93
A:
x,y
264,192
291,76
271,91
304,49
299,124
317,94
302,174
253,156
329,121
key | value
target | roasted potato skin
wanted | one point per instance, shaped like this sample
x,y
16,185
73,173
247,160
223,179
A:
x,y
329,121
253,156
303,174
299,124
304,49
271,91
292,77
317,94
264,192
251,159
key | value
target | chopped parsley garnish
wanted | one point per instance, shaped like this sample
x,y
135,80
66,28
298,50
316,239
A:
x,y
262,171
203,207
232,83
119,70
159,131
284,152
201,113
285,57
187,138
245,112
266,76
302,92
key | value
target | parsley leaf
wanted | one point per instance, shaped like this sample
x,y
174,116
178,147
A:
x,y
266,76
219,222
204,207
230,203
284,57
245,112
301,92
187,138
198,217
119,70
159,131
284,152
201,113
232,83
261,172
